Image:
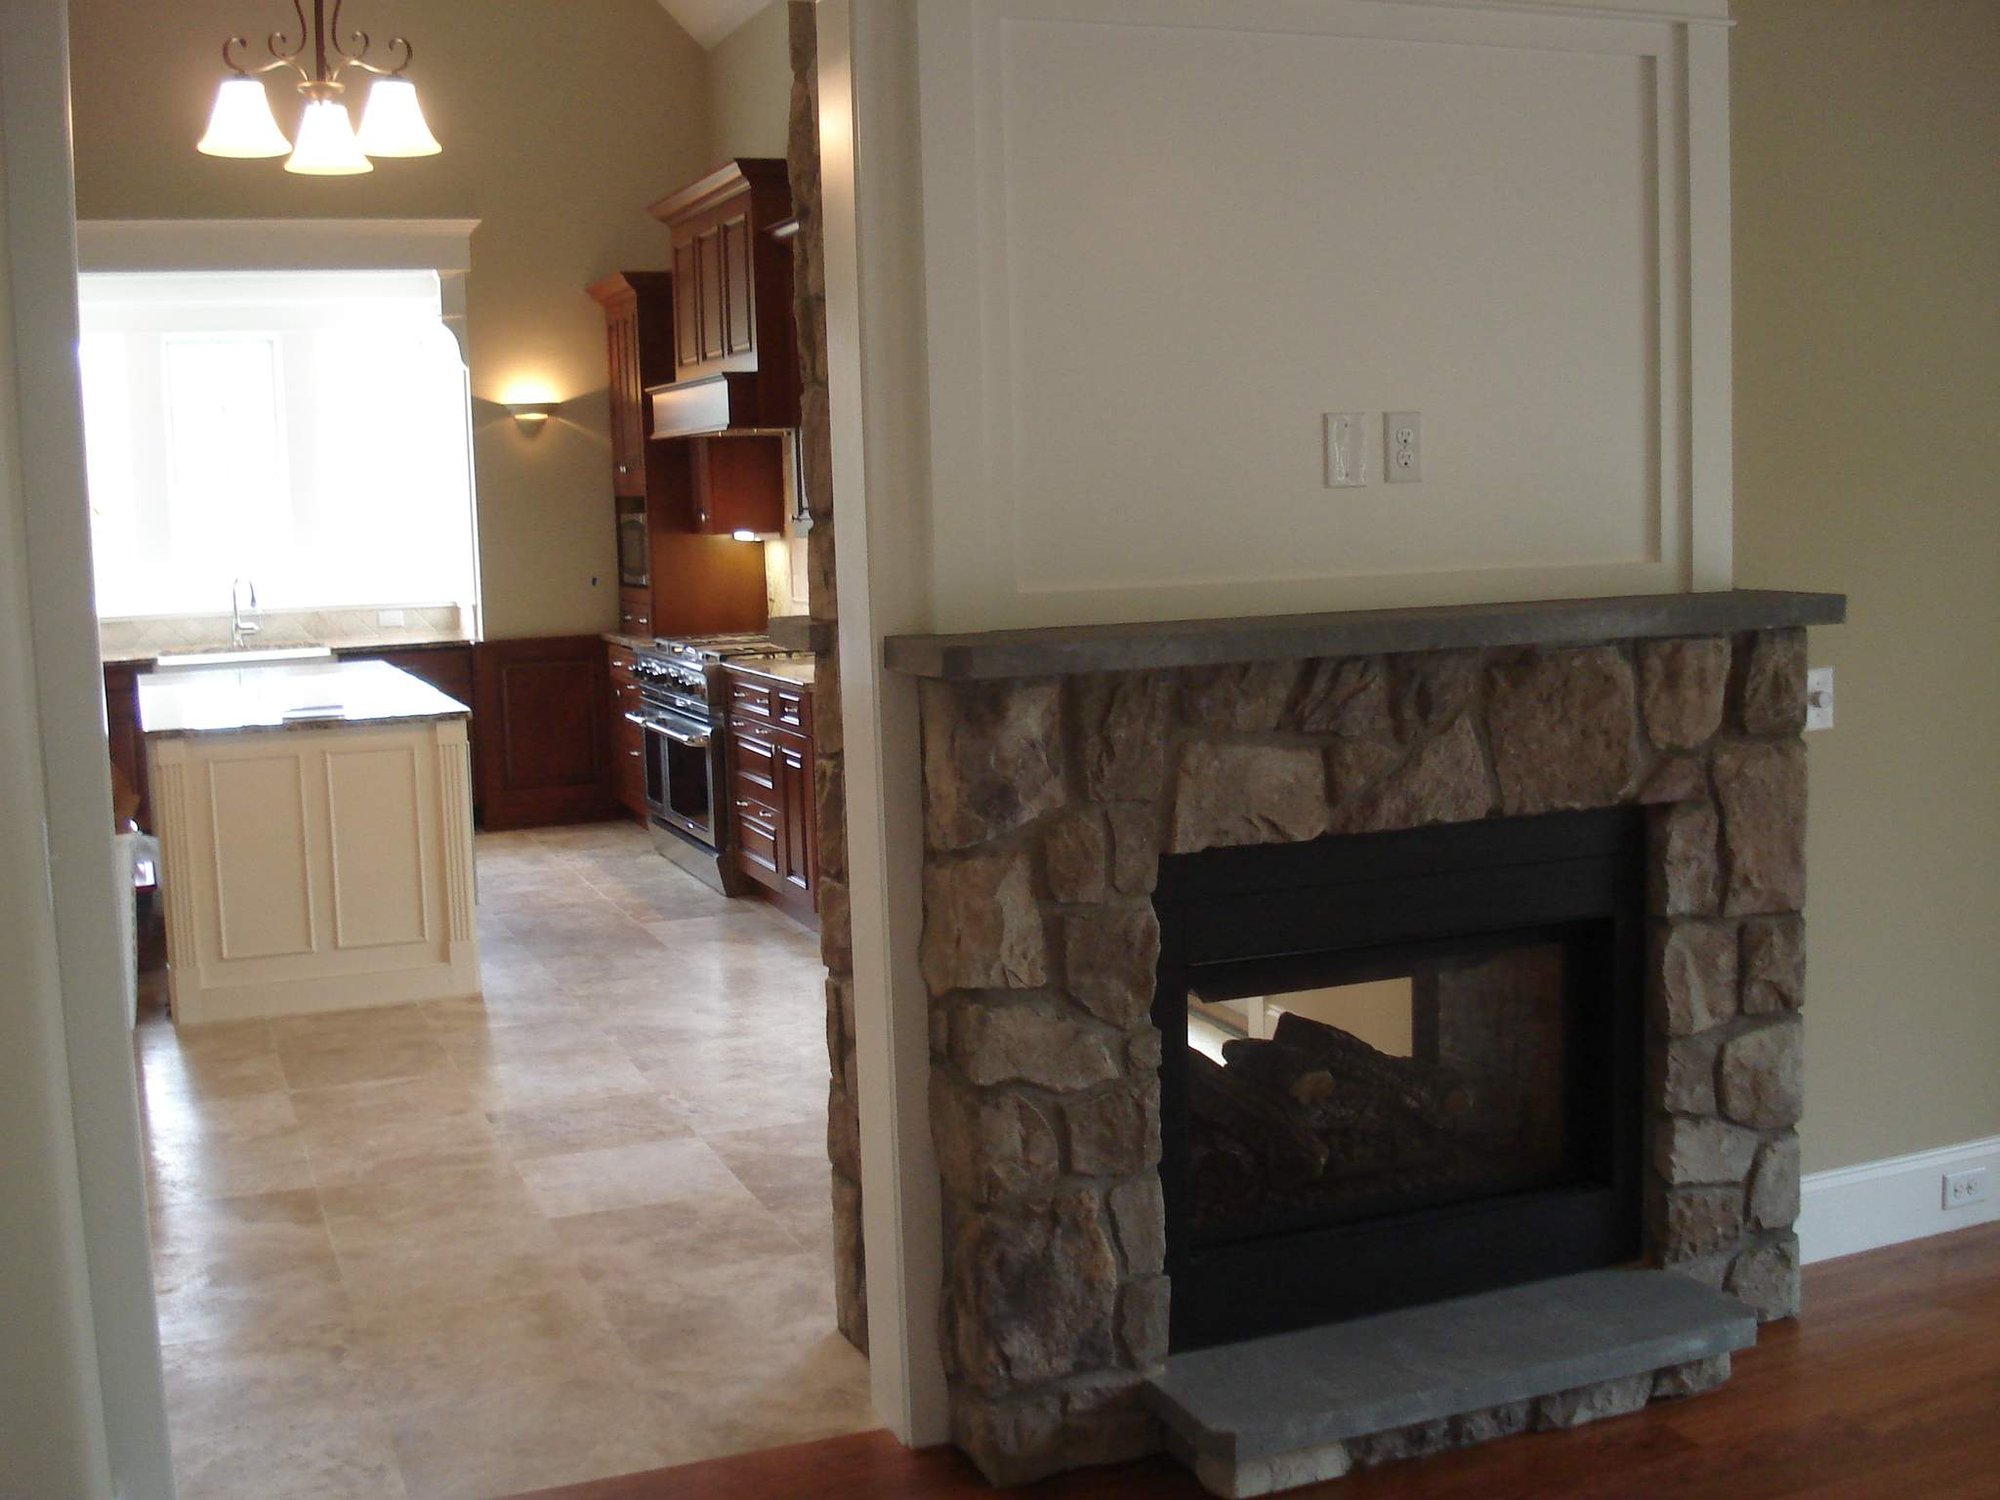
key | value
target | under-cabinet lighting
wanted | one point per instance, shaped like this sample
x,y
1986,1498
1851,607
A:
x,y
744,536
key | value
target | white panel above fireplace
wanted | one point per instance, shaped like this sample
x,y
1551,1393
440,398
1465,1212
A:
x,y
1162,239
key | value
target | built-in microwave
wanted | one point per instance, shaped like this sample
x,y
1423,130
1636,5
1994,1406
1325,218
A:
x,y
633,553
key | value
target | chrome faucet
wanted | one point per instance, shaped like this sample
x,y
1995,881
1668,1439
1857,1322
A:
x,y
238,626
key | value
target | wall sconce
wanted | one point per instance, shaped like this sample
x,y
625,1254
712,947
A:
x,y
532,416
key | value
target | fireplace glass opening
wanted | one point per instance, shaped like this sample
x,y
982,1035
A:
x,y
1380,1095
1399,1067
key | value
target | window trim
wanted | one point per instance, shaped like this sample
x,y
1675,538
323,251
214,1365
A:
x,y
440,245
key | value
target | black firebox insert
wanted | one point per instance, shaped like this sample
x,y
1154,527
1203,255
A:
x,y
1398,1067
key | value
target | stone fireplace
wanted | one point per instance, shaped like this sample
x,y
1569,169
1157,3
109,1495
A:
x,y
1065,770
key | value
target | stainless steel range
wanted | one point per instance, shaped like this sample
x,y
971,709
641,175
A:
x,y
686,749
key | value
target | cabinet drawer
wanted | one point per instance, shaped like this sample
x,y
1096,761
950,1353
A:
x,y
627,736
753,755
621,660
635,612
625,696
752,800
792,706
628,778
756,837
746,697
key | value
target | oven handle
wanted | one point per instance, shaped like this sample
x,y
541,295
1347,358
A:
x,y
698,740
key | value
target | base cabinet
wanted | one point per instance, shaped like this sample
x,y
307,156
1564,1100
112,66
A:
x,y
628,740
316,869
544,750
128,745
770,794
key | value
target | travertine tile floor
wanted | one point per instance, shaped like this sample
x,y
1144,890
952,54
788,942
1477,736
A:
x,y
575,1228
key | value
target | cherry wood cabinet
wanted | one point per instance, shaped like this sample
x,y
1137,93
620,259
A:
x,y
446,667
732,279
687,494
635,612
627,739
736,484
542,707
128,743
639,347
770,796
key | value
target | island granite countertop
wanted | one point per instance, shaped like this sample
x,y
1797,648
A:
x,y
308,695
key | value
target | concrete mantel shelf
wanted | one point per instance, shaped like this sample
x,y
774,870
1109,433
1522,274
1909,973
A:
x,y
1150,645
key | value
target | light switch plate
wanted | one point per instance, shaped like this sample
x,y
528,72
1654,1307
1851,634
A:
x,y
1819,698
1346,449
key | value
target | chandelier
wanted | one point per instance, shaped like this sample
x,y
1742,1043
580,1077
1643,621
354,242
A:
x,y
328,145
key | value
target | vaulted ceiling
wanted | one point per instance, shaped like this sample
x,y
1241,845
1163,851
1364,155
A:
x,y
709,21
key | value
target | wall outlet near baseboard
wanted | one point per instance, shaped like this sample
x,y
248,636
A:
x,y
1963,1189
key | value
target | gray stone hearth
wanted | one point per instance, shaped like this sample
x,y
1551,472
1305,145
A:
x,y
1049,800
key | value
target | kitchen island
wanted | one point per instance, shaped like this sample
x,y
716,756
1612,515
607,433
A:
x,y
315,826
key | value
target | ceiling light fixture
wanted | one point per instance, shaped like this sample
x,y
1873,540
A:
x,y
242,125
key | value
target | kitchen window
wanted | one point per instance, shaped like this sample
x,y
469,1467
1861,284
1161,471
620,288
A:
x,y
308,430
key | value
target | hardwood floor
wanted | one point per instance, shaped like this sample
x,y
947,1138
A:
x,y
1887,1389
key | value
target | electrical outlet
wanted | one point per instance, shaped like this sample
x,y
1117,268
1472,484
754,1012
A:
x,y
1346,449
1963,1189
1402,447
1819,698
393,618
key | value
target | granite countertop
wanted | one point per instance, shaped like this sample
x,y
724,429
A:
x,y
358,647
785,671
225,700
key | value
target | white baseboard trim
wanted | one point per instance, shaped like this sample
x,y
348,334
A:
x,y
1877,1203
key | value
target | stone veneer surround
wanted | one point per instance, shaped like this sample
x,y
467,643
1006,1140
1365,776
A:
x,y
1048,802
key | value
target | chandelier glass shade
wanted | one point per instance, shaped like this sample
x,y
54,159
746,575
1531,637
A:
x,y
241,125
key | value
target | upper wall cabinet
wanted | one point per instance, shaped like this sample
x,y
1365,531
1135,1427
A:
x,y
639,339
735,354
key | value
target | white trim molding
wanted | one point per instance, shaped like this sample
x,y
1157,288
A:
x,y
442,245
1878,1203
1130,349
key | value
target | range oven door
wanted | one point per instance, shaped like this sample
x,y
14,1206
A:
x,y
680,785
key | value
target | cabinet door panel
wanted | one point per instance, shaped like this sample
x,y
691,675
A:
x,y
543,712
708,279
738,299
627,404
796,798
687,321
757,844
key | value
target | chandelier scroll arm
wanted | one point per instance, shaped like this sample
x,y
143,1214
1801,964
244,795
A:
x,y
396,67
280,57
353,47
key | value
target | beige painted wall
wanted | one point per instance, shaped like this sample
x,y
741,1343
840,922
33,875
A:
x,y
750,87
1867,261
560,124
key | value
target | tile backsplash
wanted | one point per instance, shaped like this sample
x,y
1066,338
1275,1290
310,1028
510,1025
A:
x,y
139,636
